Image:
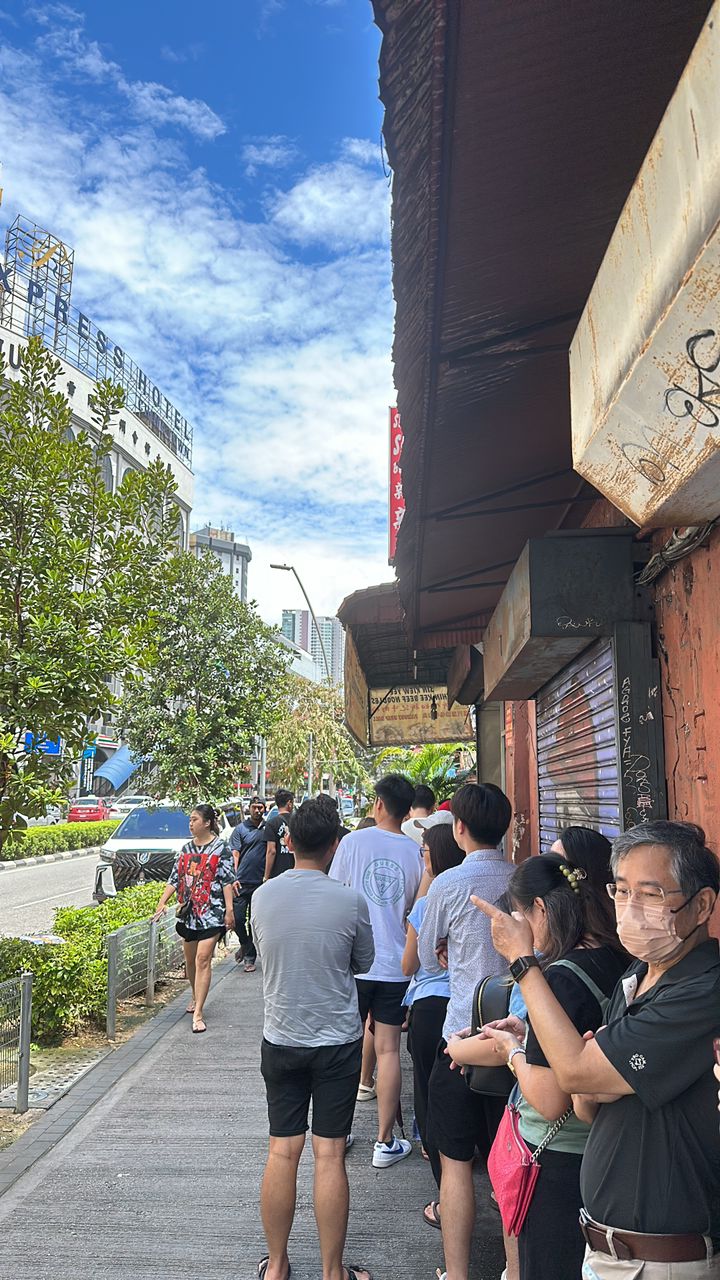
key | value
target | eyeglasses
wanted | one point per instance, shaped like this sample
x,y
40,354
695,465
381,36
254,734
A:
x,y
649,897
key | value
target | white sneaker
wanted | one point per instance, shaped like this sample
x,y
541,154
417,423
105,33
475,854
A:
x,y
387,1153
366,1092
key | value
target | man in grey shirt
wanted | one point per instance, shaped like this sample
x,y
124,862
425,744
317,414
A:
x,y
459,1120
312,935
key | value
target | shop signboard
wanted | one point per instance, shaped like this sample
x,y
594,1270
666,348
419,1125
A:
x,y
410,715
396,499
645,360
356,693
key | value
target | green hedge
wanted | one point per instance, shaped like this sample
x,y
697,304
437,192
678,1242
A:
x,y
36,841
70,978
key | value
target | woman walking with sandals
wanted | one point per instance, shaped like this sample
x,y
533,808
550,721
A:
x,y
202,878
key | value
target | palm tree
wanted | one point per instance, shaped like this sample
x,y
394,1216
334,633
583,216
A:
x,y
435,765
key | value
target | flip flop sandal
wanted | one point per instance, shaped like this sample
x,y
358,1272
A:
x,y
353,1271
263,1266
431,1214
198,1031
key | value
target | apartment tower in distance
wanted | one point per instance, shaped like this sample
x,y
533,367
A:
x,y
298,626
233,556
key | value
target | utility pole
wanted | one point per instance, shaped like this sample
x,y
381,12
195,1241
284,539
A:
x,y
263,766
310,764
289,568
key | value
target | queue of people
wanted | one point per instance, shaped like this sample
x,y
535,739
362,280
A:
x,y
605,1155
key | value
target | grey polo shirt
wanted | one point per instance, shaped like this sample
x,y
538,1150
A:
x,y
652,1161
312,935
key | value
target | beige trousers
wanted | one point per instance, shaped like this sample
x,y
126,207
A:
x,y
600,1266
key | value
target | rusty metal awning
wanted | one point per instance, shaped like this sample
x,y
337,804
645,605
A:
x,y
376,620
515,132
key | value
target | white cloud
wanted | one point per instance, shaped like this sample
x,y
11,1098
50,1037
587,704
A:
x,y
189,54
280,361
361,151
64,40
273,152
340,204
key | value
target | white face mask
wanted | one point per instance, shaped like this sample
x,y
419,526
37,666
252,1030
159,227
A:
x,y
650,933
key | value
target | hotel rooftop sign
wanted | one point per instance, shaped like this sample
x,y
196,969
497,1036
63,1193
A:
x,y
35,288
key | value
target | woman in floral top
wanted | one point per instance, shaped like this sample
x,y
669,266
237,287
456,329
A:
x,y
202,877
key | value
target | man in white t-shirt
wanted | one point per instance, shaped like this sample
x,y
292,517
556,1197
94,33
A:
x,y
385,866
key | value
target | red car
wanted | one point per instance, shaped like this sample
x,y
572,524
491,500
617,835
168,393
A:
x,y
89,809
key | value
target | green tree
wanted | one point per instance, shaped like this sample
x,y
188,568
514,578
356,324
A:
x,y
77,566
315,709
435,765
212,678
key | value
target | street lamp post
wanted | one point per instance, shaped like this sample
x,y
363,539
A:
x,y
289,568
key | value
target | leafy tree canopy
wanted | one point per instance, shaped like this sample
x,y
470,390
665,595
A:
x,y
435,765
77,567
312,709
212,678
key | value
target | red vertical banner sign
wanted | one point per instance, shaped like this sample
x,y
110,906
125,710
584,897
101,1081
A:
x,y
397,501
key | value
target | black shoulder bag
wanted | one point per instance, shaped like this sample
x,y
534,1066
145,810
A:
x,y
491,1002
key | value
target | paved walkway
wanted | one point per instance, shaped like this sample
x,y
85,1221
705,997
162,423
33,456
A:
x,y
156,1164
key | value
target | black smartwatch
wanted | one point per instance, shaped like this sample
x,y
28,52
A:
x,y
521,966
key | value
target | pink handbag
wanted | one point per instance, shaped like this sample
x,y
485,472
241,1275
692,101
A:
x,y
513,1167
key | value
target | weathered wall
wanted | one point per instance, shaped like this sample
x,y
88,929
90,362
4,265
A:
x,y
521,779
687,603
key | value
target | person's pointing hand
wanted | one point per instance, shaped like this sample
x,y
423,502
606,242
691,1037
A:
x,y
512,936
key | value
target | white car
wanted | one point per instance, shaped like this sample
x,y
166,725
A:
x,y
125,804
144,847
52,815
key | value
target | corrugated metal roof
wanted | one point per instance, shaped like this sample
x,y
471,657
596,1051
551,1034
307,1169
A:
x,y
514,132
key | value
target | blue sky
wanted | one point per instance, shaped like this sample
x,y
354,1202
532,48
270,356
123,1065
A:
x,y
218,170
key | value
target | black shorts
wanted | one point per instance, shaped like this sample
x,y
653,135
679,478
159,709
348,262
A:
x,y
384,1000
328,1075
198,935
459,1120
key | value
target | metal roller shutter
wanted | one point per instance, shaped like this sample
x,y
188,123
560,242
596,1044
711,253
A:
x,y
577,745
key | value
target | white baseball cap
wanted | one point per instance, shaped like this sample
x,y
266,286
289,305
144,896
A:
x,y
414,827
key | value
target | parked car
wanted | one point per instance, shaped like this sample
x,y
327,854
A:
x,y
52,815
347,806
122,805
143,848
89,809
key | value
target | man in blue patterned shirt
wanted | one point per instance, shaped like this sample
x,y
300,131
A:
x,y
459,1120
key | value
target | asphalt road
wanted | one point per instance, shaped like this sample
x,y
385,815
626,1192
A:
x,y
29,895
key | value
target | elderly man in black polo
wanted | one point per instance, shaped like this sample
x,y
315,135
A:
x,y
651,1171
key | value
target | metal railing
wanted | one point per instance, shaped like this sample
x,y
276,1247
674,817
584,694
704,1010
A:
x,y
138,956
15,1036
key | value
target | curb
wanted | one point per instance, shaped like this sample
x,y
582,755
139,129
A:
x,y
62,1116
50,857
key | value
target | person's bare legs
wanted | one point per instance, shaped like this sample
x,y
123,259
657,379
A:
x,y
331,1200
458,1215
277,1200
389,1078
203,974
369,1059
512,1256
189,949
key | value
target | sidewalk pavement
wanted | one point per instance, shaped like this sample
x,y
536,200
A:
x,y
157,1158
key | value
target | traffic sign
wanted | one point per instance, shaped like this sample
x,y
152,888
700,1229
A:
x,y
46,745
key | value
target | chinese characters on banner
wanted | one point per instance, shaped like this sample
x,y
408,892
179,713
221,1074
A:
x,y
397,501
